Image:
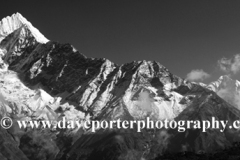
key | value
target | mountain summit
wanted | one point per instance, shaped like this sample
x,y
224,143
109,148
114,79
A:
x,y
10,24
55,81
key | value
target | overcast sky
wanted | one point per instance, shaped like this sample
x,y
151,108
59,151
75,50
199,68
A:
x,y
189,37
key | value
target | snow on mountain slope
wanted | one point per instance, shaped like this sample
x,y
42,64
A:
x,y
223,82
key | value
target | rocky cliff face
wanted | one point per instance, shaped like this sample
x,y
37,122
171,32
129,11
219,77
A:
x,y
62,82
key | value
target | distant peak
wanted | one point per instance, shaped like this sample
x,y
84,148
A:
x,y
10,24
17,14
225,77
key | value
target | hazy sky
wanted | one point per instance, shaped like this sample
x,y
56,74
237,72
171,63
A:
x,y
183,35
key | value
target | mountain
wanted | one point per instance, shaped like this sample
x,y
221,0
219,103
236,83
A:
x,y
47,80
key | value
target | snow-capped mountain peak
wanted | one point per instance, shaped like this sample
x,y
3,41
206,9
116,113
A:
x,y
14,22
224,82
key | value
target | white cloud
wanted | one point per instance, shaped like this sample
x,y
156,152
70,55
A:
x,y
231,65
197,75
